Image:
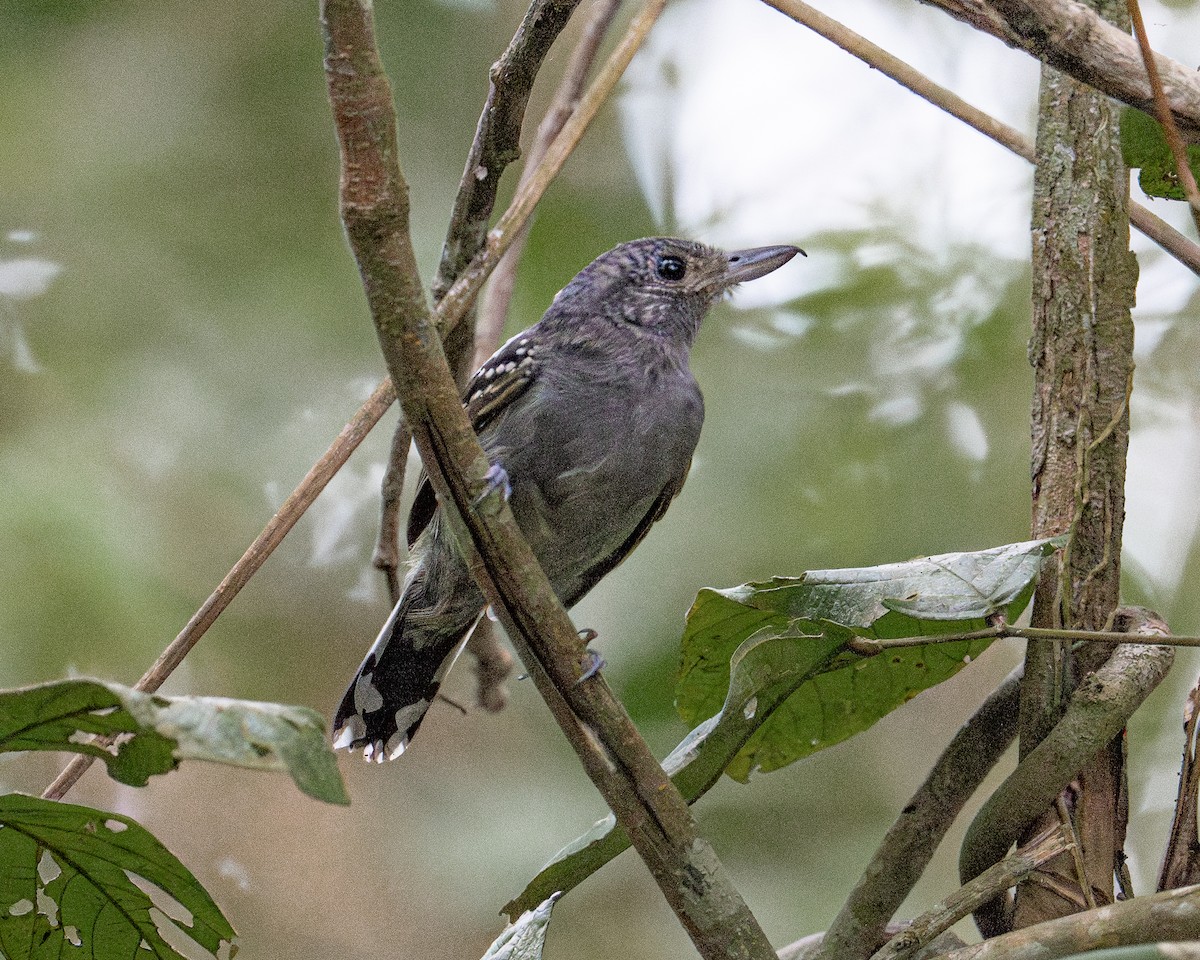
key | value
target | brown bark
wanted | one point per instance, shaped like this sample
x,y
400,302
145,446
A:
x,y
1084,283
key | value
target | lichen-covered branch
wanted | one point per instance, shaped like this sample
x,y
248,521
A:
x,y
994,880
1158,918
1084,284
1071,37
615,756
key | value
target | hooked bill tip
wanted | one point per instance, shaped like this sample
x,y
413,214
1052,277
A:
x,y
757,262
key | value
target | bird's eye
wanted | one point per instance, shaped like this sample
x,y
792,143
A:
x,y
671,268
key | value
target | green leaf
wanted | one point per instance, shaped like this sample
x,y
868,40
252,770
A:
x,y
845,692
1144,146
154,733
777,655
64,889
524,938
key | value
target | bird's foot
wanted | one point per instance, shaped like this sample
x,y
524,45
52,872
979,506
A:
x,y
595,662
495,481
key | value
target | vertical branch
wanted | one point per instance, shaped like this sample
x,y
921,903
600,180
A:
x,y
496,144
1084,282
498,135
499,291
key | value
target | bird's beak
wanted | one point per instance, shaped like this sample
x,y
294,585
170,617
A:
x,y
757,262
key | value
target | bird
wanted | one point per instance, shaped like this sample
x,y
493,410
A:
x,y
589,419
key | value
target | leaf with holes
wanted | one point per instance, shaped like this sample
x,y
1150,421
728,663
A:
x,y
154,733
64,888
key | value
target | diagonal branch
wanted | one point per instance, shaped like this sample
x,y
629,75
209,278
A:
x,y
1097,712
365,418
996,879
909,845
1071,37
1175,243
494,310
498,135
609,746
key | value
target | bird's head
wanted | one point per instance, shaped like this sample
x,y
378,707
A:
x,y
663,286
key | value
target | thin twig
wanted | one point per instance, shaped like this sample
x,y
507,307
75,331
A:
x,y
1175,243
256,554
447,314
987,886
454,305
386,557
1098,710
1157,918
1161,109
612,751
494,309
869,646
498,135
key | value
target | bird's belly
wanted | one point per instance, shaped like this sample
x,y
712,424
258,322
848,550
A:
x,y
599,472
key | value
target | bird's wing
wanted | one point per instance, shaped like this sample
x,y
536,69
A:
x,y
609,563
495,385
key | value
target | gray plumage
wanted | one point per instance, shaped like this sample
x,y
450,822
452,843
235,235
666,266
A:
x,y
593,415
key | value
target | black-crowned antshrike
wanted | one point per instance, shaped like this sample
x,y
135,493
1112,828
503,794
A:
x,y
590,418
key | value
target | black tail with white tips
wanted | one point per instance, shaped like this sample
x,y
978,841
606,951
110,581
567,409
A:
x,y
399,678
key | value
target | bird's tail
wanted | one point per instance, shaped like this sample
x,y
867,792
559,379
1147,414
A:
x,y
400,676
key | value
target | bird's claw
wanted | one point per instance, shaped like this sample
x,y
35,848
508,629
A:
x,y
595,662
495,481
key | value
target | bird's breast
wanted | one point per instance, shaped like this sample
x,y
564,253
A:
x,y
588,460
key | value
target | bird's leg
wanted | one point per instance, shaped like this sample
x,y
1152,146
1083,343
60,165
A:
x,y
495,481
595,662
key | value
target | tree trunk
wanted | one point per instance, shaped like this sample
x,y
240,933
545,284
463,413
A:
x,y
1084,280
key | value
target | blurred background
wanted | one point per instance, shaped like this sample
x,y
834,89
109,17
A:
x,y
182,332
